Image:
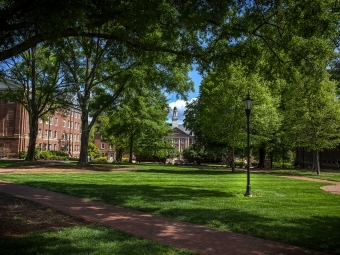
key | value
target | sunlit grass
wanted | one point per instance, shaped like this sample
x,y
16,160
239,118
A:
x,y
282,209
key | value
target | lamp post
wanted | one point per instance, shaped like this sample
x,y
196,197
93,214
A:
x,y
248,104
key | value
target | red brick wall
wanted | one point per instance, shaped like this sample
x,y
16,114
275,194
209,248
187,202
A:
x,y
14,130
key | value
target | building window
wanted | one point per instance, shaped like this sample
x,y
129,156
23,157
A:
x,y
102,146
46,133
55,147
71,114
56,121
182,140
75,137
40,120
51,120
175,140
39,133
55,134
50,134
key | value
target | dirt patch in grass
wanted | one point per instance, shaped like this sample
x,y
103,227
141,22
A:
x,y
19,217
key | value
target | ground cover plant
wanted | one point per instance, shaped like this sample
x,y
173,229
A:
x,y
287,210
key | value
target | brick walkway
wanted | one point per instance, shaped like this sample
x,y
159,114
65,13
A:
x,y
200,239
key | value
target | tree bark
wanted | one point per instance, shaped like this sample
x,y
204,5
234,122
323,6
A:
x,y
131,148
85,133
232,161
33,127
262,157
317,162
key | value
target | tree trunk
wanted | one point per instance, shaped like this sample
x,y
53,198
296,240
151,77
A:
x,y
131,148
33,127
85,134
32,112
313,167
317,162
232,161
261,158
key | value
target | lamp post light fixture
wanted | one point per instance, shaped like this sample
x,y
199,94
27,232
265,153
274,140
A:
x,y
248,104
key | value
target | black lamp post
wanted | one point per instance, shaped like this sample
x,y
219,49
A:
x,y
248,104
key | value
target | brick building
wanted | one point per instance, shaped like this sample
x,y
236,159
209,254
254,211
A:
x,y
60,131
105,148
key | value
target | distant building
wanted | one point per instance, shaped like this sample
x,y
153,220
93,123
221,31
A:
x,y
181,137
106,149
329,159
60,131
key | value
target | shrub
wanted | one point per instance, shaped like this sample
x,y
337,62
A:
x,y
239,163
125,160
4,151
100,160
60,155
22,154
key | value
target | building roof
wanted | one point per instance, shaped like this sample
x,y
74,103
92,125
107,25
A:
x,y
182,128
8,84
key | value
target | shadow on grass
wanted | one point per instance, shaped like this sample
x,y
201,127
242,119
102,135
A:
x,y
315,232
83,240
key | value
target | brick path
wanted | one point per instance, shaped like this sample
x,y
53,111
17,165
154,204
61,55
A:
x,y
200,239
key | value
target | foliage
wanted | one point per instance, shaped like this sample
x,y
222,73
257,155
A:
x,y
313,114
22,154
93,151
139,125
100,160
34,80
53,155
221,98
125,160
4,151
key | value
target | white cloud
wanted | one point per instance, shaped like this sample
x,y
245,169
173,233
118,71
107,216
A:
x,y
180,104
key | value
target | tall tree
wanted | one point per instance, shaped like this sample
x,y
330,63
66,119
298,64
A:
x,y
223,29
41,87
102,73
313,114
141,119
220,110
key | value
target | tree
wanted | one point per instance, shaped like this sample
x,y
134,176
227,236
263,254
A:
x,y
40,89
103,72
222,29
93,151
140,121
219,111
313,114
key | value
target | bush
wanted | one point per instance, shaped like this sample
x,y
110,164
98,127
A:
x,y
59,155
279,165
125,160
239,163
22,154
100,160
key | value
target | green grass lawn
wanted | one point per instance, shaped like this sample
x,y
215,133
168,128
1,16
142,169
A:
x,y
291,211
84,240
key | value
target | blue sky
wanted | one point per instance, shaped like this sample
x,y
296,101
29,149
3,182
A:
x,y
179,103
